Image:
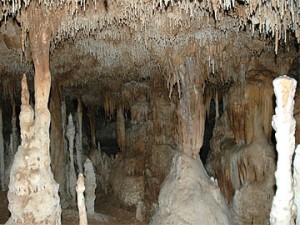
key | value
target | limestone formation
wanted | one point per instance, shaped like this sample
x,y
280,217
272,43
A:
x,y
152,81
283,208
31,180
102,165
189,196
90,187
80,188
72,174
242,158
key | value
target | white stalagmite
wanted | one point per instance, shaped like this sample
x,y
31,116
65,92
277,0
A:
x,y
79,137
80,200
296,176
72,175
282,211
2,162
90,183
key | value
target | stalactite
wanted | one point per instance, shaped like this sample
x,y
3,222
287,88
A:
x,y
191,110
2,157
72,175
80,200
79,137
121,129
90,183
283,208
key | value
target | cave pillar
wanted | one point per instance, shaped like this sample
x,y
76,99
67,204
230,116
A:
x,y
284,124
72,175
31,180
121,129
79,137
191,110
187,186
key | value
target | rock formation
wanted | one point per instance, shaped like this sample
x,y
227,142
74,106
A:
x,y
156,83
80,188
242,158
187,184
90,184
283,208
187,188
72,174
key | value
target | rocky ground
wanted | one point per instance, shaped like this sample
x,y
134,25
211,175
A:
x,y
105,205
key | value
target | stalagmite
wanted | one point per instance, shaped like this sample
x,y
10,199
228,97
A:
x,y
79,137
80,200
31,180
121,129
2,162
90,183
72,175
296,187
282,211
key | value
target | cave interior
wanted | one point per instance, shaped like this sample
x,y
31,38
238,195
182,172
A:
x,y
165,107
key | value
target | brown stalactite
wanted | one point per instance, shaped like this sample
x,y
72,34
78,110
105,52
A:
x,y
191,110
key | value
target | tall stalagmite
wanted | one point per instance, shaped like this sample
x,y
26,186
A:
x,y
283,208
31,180
72,174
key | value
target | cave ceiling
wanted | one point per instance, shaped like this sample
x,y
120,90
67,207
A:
x,y
104,44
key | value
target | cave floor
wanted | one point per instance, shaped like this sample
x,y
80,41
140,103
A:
x,y
104,205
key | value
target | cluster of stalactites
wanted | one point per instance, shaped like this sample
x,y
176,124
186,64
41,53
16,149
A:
x,y
272,17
